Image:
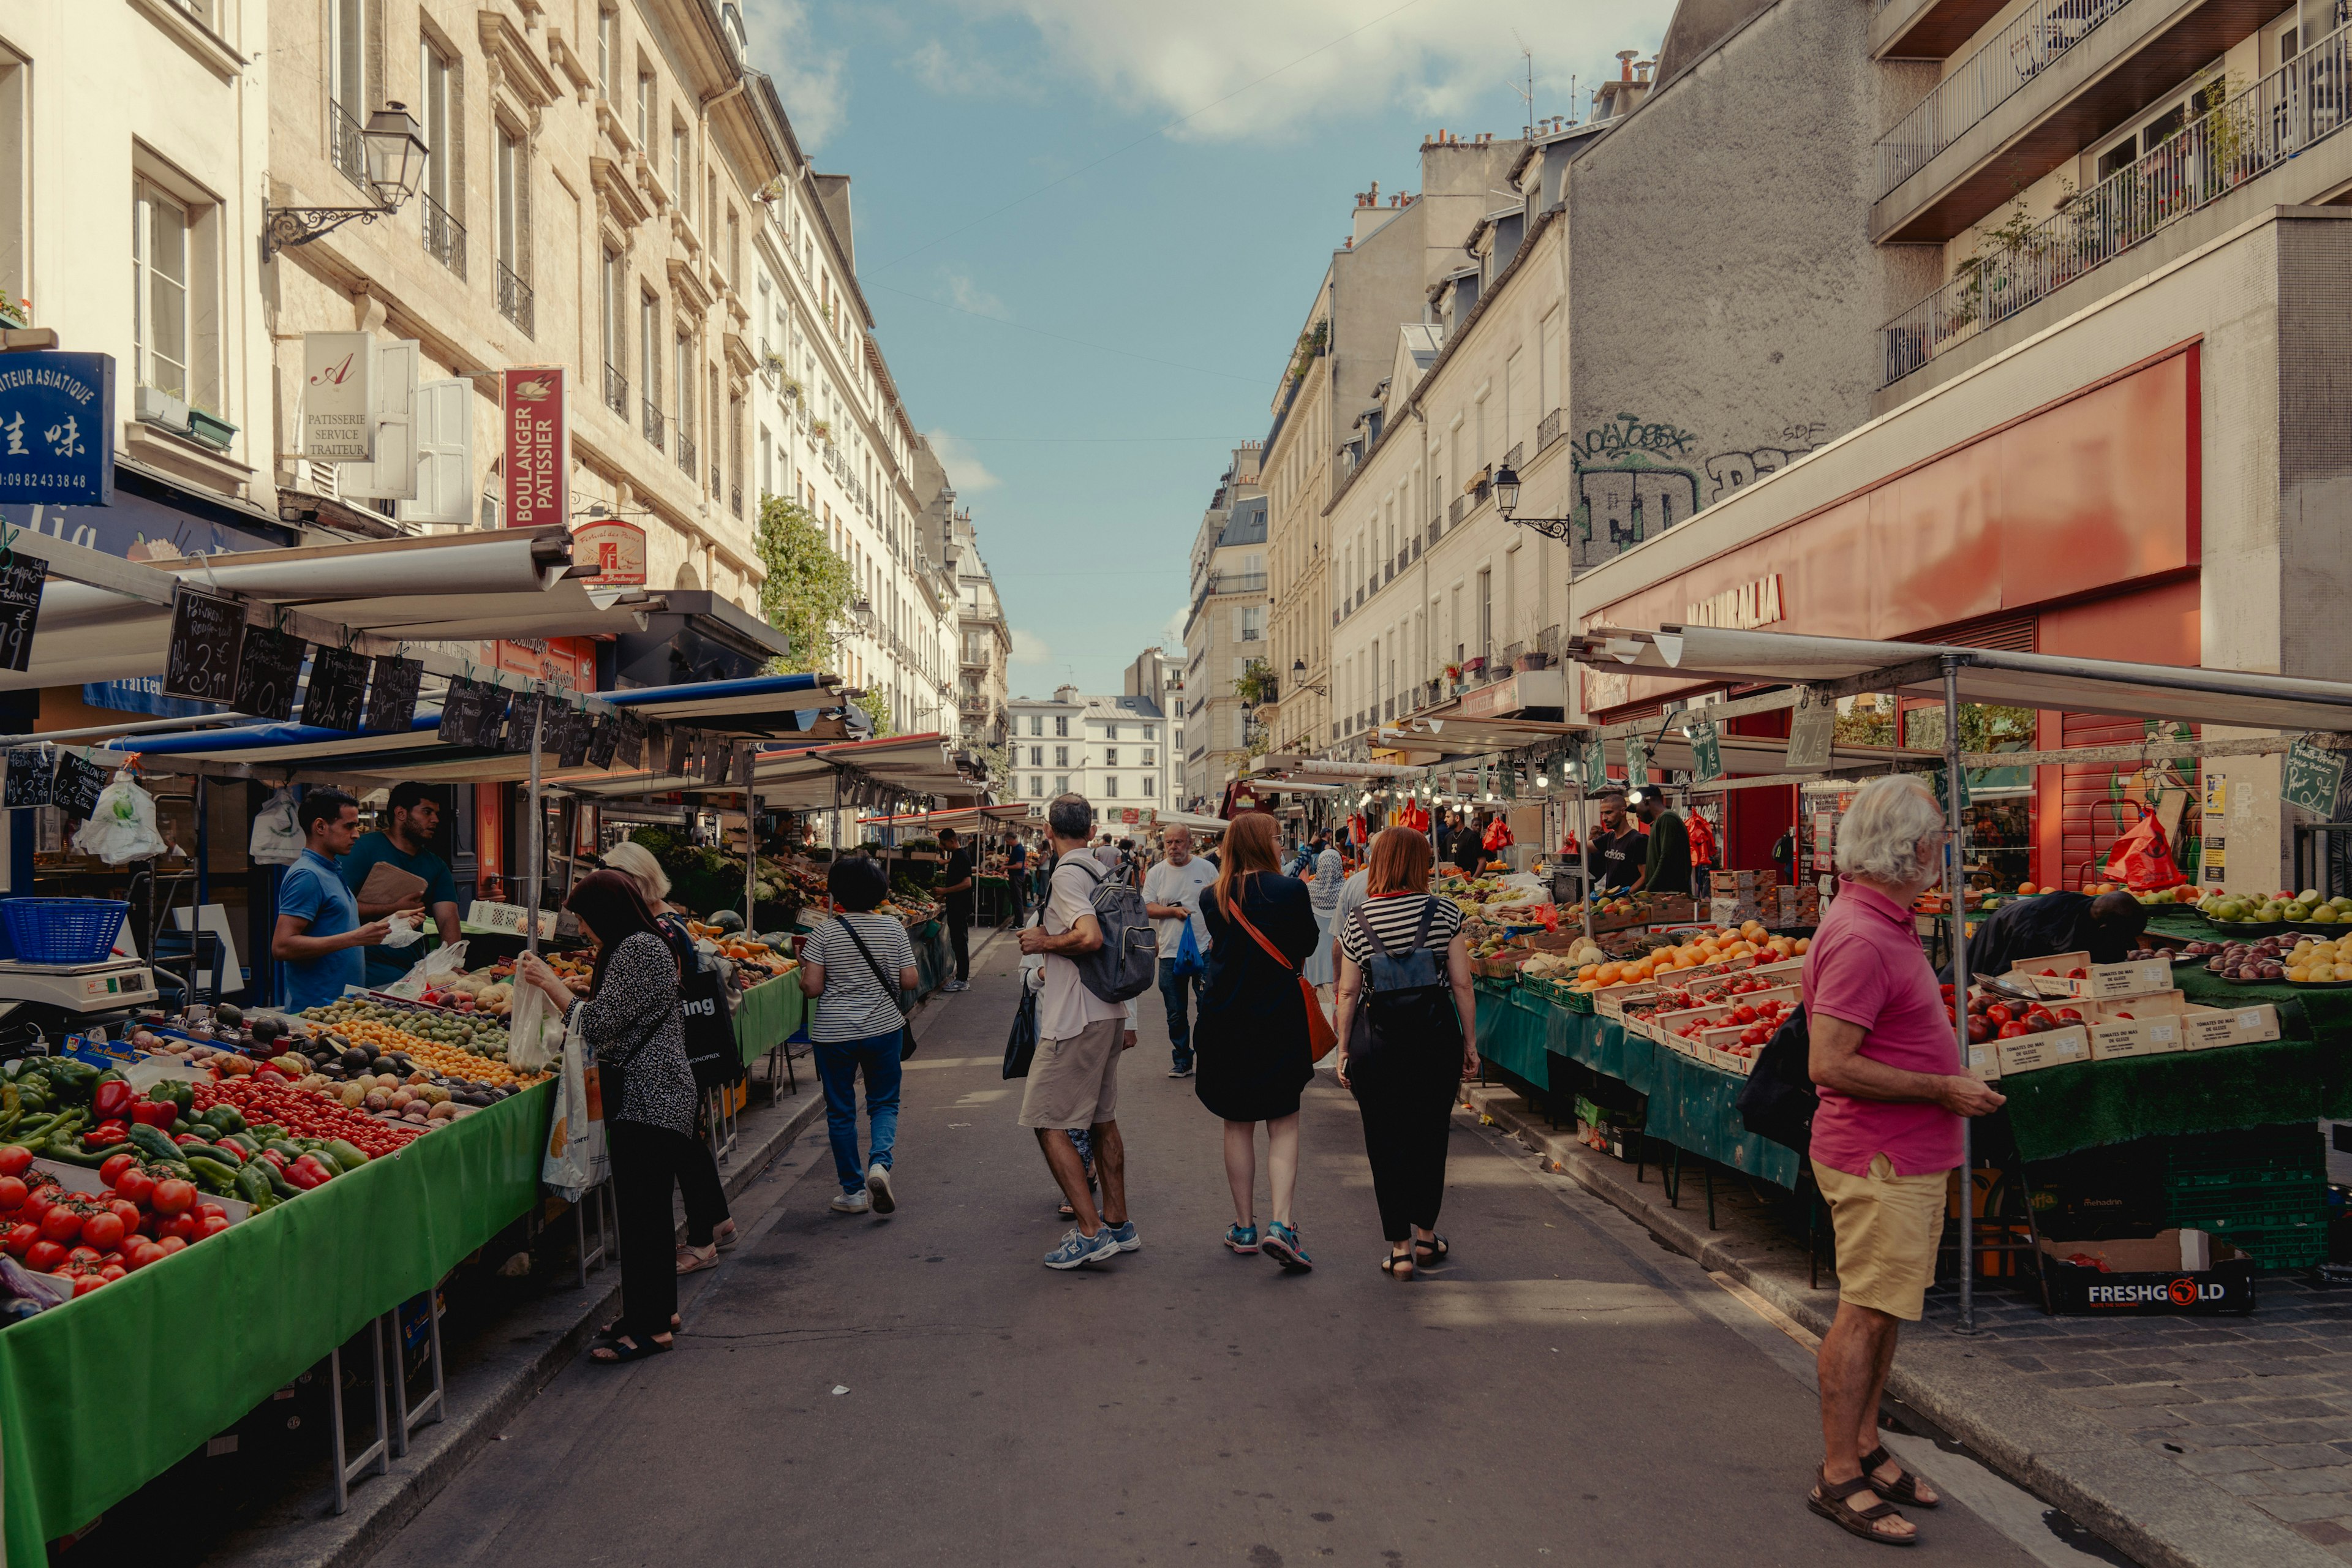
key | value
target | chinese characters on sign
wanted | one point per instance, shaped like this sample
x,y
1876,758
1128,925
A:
x,y
338,386
538,461
57,427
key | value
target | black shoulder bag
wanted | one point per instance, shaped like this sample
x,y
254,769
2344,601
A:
x,y
889,988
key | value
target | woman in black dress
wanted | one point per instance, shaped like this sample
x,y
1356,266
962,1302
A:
x,y
1251,1039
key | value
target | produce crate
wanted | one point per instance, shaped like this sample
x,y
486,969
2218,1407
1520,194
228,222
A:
x,y
2289,1155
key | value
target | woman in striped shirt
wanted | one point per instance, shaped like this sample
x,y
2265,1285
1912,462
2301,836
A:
x,y
857,1027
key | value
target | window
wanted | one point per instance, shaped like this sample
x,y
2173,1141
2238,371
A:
x,y
734,245
347,87
1061,723
644,109
511,170
679,166
685,365
1486,614
1061,783
1037,723
649,364
1110,785
1036,785
445,158
1037,756
2165,120
604,54
1061,756
1150,784
159,327
1150,732
1147,762
1110,756
1110,731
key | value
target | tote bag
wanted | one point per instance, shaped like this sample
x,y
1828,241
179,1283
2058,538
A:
x,y
711,1050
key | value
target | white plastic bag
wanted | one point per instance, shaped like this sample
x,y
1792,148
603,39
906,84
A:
x,y
433,967
122,827
534,1037
404,931
576,1158
277,837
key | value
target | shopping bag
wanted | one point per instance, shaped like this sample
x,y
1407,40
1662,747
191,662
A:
x,y
2142,858
121,828
711,1050
1777,1102
1021,1047
533,1038
576,1160
1188,959
277,839
442,964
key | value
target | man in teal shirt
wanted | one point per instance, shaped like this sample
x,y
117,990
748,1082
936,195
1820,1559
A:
x,y
318,928
412,821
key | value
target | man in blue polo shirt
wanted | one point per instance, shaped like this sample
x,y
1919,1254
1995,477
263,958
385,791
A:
x,y
319,935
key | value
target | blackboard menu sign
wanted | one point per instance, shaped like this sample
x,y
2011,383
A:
x,y
604,739
526,710
629,739
392,695
744,753
207,636
338,684
577,729
31,770
78,785
467,709
21,577
717,753
267,672
681,752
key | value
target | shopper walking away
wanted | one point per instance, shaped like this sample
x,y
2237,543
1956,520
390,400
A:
x,y
1668,868
1408,1025
1329,874
630,1019
1172,896
1074,1079
957,882
1016,878
1887,1137
710,1228
858,1029
1251,1036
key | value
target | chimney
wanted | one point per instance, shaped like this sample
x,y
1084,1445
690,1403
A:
x,y
1643,67
1625,64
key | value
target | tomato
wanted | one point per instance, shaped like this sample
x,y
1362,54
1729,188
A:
x,y
13,1194
111,1272
102,1231
17,1237
172,1243
211,1226
134,1187
142,1254
112,1172
2011,1031
60,1224
2000,1013
174,1195
210,1210
13,1158
2070,1015
182,1226
36,1204
1743,1014
87,1283
45,1257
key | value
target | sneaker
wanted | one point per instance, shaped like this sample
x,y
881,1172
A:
x,y
957,986
1124,1236
1181,1069
851,1203
1077,1250
877,1188
1282,1245
1241,1237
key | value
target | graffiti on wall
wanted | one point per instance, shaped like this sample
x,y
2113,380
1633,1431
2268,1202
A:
x,y
1729,471
1637,477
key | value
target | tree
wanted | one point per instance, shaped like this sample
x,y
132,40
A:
x,y
808,588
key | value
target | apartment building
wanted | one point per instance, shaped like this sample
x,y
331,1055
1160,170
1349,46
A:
x,y
1158,674
985,650
1115,750
1226,630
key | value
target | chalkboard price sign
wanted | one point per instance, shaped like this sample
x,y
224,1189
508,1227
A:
x,y
527,707
207,638
629,739
30,771
267,672
78,785
604,741
715,756
392,698
2309,776
1707,749
576,728
681,752
338,685
21,577
466,708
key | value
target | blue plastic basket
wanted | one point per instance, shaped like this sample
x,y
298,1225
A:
x,y
63,931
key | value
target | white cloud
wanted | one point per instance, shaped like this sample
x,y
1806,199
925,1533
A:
x,y
967,294
812,82
1320,58
1028,648
966,472
967,73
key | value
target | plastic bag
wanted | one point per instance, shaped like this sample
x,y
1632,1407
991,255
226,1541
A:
x,y
277,837
1188,959
534,1037
435,966
404,931
576,1159
121,828
2142,858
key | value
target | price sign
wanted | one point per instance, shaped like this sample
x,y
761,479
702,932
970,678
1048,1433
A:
x,y
605,741
267,673
207,636
1942,798
1596,763
391,697
1637,761
466,708
746,755
577,729
1707,751
2309,776
78,785
523,719
628,738
338,685
1810,727
681,751
715,756
20,607
30,771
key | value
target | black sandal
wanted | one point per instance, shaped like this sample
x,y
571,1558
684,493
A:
x,y
1435,1250
624,1350
1398,1266
1904,1489
1829,1501
611,1331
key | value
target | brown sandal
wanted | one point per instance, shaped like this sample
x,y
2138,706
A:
x,y
1829,1501
1904,1489
1398,1266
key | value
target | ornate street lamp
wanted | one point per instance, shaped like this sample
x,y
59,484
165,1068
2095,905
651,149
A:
x,y
1506,501
395,152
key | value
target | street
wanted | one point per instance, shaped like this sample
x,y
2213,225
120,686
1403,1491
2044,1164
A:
x,y
919,1389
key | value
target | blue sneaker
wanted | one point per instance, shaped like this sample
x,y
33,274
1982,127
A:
x,y
1077,1250
1124,1234
1282,1245
1241,1237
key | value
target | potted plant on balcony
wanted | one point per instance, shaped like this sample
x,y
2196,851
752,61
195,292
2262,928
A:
x,y
207,424
821,429
15,310
153,405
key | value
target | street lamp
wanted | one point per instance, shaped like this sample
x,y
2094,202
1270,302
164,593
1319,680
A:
x,y
395,153
1299,678
1506,501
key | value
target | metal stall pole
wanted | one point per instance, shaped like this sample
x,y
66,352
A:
x,y
1955,894
538,838
1583,857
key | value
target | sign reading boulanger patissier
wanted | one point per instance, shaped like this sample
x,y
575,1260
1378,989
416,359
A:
x,y
338,382
538,461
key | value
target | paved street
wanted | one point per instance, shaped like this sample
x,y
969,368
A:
x,y
1565,1390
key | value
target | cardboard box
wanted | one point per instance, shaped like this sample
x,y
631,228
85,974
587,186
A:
x,y
2104,982
1732,911
2204,1029
1984,1061
2051,1048
2120,1039
1741,884
2173,1272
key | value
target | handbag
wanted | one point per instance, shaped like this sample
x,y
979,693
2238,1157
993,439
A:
x,y
1021,1044
1188,959
712,1049
906,1024
1321,1036
1777,1102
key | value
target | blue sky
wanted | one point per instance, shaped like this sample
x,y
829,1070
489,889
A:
x,y
1090,229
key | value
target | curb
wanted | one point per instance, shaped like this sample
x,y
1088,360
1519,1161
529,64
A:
x,y
2158,1513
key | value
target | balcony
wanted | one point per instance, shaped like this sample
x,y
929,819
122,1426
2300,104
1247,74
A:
x,y
1228,582
2285,113
1926,29
514,298
1548,430
347,146
1456,510
445,236
1511,459
654,423
684,449
616,392
735,500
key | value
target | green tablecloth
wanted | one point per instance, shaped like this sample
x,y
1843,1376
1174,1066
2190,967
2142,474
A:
x,y
767,1013
100,1396
1691,1105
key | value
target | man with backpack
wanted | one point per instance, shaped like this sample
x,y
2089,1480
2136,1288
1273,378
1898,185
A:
x,y
1097,941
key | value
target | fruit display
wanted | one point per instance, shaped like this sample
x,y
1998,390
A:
x,y
2263,960
1994,1017
1750,942
2238,908
2315,961
2167,896
1563,965
135,1220
368,1039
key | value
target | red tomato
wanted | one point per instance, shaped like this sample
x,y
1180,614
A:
x,y
112,1172
102,1231
211,1226
20,1236
2000,1013
179,1227
128,1213
45,1257
87,1283
172,1243
60,1224
142,1254
13,1194
208,1210
2011,1031
86,1256
174,1195
135,1186
1743,1014
36,1205
13,1158
112,1271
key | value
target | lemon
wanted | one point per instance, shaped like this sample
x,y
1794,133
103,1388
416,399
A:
x,y
2297,973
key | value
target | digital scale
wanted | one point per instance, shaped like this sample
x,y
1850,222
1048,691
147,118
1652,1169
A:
x,y
61,999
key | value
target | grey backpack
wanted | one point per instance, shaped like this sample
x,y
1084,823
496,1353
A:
x,y
1127,962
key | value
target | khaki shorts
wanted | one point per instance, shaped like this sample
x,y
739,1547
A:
x,y
1074,1083
1888,1229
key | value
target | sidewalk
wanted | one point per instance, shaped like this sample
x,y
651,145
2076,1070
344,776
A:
x,y
2186,1442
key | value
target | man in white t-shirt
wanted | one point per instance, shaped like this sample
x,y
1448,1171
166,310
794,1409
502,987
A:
x,y
1074,1081
1171,895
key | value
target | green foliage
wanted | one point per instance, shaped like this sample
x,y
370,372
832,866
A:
x,y
1255,683
808,587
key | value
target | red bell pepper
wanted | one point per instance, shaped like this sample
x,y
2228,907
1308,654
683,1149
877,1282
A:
x,y
111,1100
155,1113
305,1173
106,1135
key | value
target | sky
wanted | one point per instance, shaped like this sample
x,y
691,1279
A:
x,y
1090,231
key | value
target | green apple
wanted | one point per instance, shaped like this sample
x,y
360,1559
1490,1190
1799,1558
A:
x,y
2308,895
2326,914
2298,911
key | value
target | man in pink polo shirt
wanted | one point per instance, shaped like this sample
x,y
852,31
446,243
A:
x,y
1887,1137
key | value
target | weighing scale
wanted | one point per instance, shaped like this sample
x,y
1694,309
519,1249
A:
x,y
61,999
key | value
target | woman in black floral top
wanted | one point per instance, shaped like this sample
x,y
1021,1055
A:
x,y
630,1019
